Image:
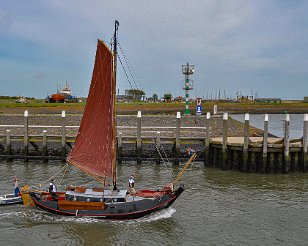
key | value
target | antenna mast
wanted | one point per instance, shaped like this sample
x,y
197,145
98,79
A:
x,y
188,84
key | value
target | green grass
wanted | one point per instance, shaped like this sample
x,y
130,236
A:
x,y
10,103
40,103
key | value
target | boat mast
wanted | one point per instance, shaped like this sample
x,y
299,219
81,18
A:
x,y
114,159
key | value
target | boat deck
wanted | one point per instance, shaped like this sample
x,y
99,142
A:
x,y
108,196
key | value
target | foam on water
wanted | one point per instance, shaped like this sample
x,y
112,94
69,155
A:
x,y
42,216
9,214
163,214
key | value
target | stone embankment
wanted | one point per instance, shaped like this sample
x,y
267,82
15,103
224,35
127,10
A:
x,y
192,126
159,122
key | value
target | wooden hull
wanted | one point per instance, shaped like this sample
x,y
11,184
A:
x,y
109,211
27,199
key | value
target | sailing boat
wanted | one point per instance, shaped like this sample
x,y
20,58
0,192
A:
x,y
94,153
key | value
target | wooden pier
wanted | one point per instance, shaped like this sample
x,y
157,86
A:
x,y
246,153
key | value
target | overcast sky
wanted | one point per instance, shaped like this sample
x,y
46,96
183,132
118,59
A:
x,y
248,46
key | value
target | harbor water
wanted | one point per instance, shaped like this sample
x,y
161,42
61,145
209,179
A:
x,y
217,208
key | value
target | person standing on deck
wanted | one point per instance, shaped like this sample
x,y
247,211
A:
x,y
131,181
131,184
52,189
190,151
16,191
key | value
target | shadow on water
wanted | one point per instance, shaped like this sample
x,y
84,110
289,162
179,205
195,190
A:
x,y
219,179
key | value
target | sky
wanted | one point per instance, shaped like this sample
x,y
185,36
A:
x,y
245,46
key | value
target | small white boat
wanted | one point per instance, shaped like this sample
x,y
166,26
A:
x,y
10,199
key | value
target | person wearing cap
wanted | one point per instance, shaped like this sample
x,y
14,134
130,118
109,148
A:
x,y
52,189
131,181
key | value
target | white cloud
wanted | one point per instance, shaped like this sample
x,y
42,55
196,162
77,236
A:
x,y
242,39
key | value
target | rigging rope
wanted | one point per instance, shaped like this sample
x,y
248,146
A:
x,y
125,72
159,152
165,154
130,68
163,158
53,176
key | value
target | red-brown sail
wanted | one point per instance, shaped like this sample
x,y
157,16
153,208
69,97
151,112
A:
x,y
93,149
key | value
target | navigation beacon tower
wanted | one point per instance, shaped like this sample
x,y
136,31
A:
x,y
188,84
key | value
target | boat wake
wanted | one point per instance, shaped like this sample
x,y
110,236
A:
x,y
163,214
42,216
9,214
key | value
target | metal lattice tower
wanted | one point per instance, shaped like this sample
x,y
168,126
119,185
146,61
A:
x,y
188,84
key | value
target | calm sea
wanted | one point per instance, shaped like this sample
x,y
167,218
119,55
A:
x,y
217,208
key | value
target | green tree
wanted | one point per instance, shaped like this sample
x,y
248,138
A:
x,y
155,97
167,97
135,93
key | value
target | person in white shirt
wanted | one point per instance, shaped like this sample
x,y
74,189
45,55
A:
x,y
131,181
52,189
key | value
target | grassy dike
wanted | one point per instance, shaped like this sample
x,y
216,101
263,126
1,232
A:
x,y
39,106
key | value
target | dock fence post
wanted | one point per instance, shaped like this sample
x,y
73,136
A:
x,y
138,149
44,145
224,142
120,148
305,144
246,143
264,150
8,148
207,139
286,144
26,135
157,142
63,135
177,138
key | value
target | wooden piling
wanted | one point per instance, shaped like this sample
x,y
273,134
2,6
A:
x,y
246,143
215,157
286,164
235,161
8,148
157,143
305,144
264,147
271,162
26,135
253,162
120,147
224,142
44,146
63,136
138,148
279,162
296,162
207,139
177,139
